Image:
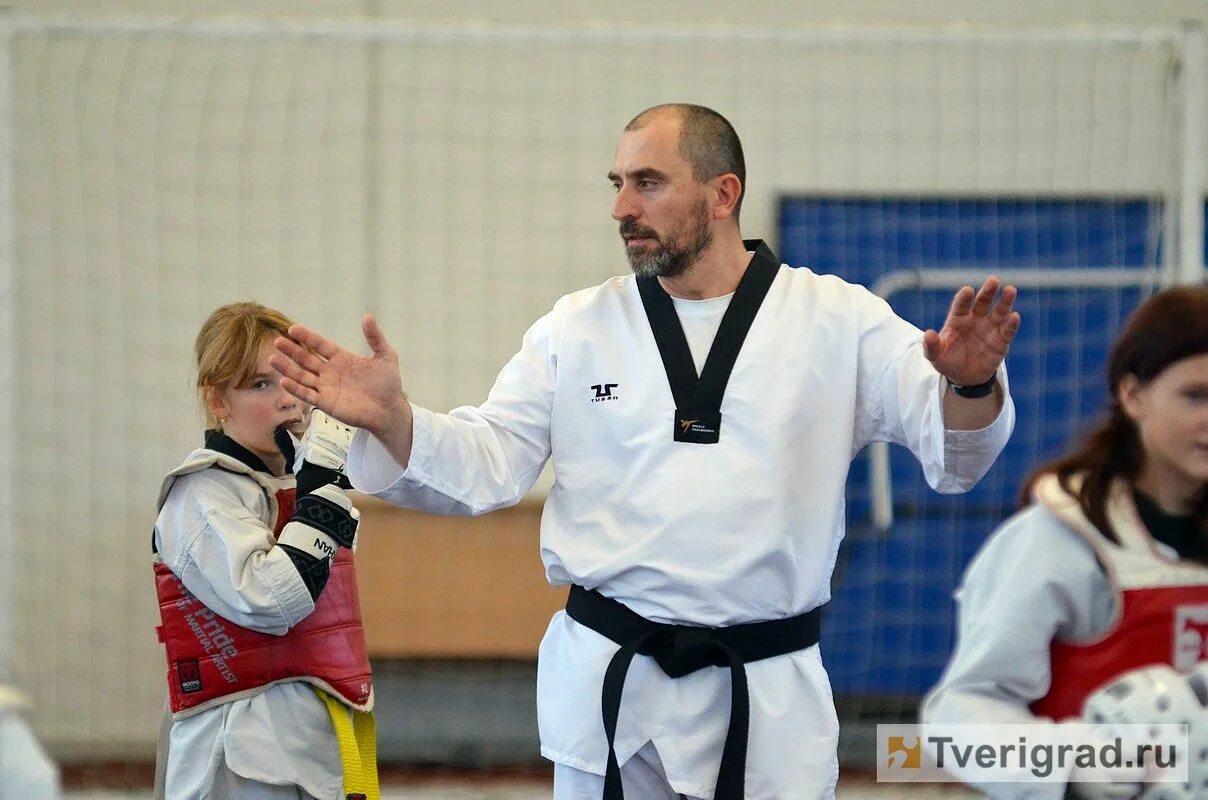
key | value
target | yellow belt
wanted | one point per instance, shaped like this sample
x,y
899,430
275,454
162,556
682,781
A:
x,y
356,732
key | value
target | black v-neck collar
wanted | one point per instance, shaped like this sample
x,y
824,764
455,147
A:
x,y
219,442
698,399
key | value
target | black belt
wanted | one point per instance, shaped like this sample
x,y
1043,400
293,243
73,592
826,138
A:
x,y
681,650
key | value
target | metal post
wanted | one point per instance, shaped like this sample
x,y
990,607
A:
x,y
8,351
880,480
1193,86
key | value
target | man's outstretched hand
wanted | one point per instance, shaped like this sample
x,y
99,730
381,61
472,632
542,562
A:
x,y
976,335
365,392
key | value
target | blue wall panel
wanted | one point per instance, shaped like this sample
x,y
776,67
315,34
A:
x,y
888,629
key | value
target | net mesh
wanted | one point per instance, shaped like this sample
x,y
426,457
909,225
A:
x,y
451,179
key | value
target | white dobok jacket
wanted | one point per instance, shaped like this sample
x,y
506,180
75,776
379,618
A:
x,y
1040,580
215,531
743,530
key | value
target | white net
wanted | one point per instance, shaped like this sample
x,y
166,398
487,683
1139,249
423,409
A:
x,y
451,179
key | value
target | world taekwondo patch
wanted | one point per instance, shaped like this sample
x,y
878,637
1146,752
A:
x,y
189,675
698,427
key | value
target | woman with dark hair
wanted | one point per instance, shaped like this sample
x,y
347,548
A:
x,y
1106,569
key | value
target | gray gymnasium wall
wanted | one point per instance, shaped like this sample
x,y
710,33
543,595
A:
x,y
455,186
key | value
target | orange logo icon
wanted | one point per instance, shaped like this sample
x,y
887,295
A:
x,y
903,755
686,424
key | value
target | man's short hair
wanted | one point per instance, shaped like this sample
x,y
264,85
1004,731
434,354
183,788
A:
x,y
707,141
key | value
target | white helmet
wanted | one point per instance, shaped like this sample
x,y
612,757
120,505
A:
x,y
1158,694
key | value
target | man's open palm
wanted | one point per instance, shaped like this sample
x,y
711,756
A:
x,y
976,336
360,391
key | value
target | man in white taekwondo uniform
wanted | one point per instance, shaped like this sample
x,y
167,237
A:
x,y
684,506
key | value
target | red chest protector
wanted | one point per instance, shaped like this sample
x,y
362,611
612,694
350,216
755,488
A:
x,y
211,660
1161,606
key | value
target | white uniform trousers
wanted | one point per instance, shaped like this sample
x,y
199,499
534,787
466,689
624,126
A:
x,y
642,776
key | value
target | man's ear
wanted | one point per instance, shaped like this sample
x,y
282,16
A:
x,y
727,190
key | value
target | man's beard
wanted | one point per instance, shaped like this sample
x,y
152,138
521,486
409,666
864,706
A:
x,y
677,254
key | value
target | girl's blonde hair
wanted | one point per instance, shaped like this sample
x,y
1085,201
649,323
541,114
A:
x,y
228,347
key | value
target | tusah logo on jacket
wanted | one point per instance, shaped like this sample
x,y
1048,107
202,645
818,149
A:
x,y
604,392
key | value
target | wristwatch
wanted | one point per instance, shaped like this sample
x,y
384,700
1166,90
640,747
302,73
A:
x,y
976,390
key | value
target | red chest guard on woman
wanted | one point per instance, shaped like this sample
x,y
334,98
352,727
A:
x,y
212,660
1161,606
